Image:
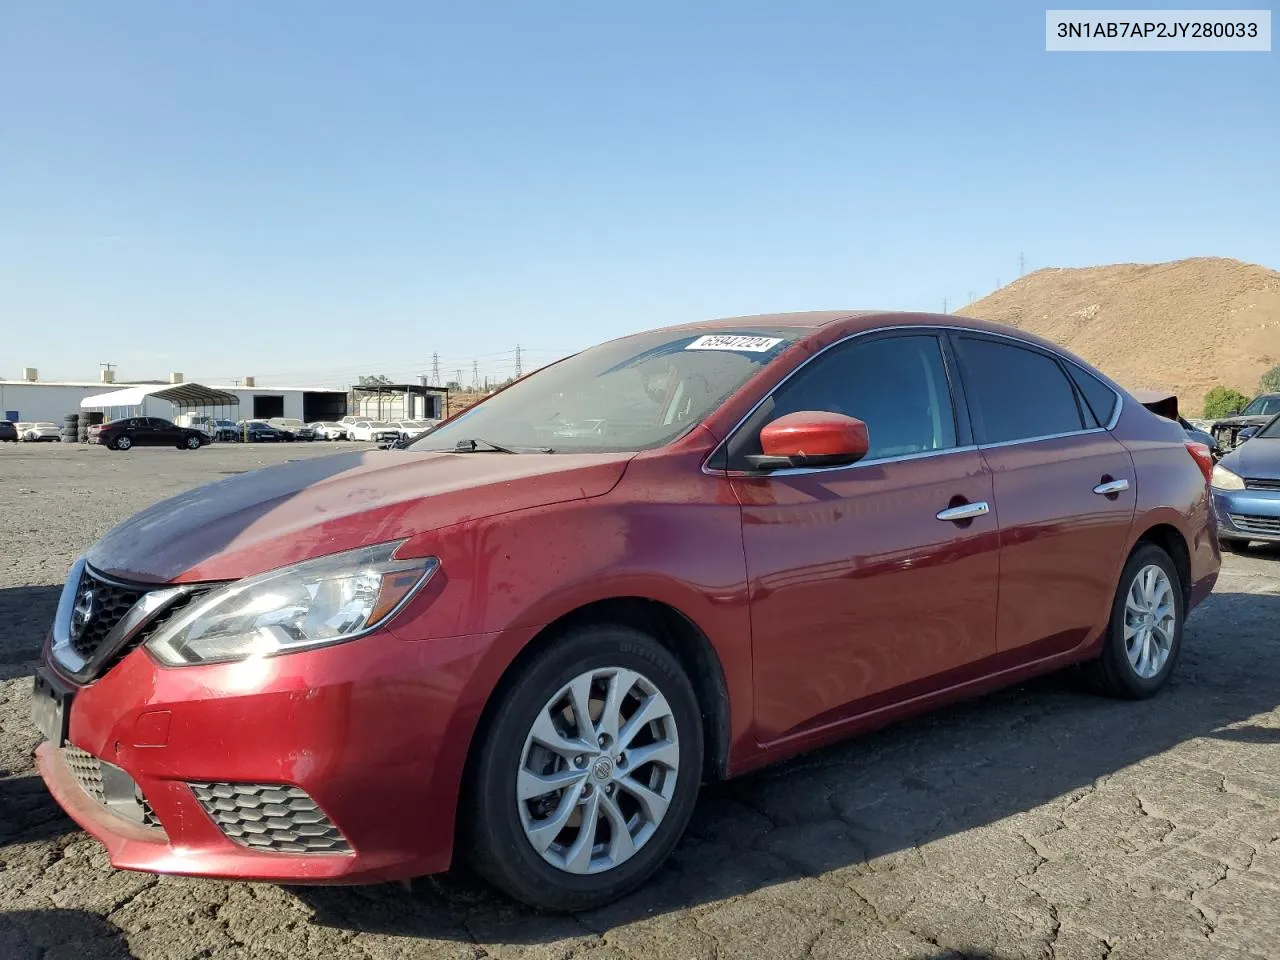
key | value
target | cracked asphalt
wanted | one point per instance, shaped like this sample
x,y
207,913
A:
x,y
1041,821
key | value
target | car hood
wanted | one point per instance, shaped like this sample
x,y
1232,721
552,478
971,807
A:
x,y
1243,421
1258,458
246,524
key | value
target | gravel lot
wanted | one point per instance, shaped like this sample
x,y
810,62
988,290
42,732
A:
x,y
1038,822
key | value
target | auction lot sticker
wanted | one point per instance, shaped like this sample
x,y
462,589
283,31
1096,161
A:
x,y
1158,31
735,341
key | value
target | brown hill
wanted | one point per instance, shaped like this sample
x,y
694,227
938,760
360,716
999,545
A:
x,y
1184,326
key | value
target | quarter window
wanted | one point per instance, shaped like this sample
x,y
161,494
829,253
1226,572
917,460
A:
x,y
1015,393
1100,398
896,385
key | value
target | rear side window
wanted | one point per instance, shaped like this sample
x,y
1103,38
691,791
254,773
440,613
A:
x,y
1100,398
1015,393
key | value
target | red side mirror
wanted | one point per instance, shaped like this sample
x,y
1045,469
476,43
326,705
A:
x,y
812,438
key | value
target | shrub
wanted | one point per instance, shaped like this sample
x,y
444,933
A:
x,y
1270,382
1223,402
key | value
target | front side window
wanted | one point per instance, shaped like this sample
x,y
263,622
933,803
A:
x,y
896,385
1015,393
637,393
1263,407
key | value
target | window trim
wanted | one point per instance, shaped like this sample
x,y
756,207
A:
x,y
945,333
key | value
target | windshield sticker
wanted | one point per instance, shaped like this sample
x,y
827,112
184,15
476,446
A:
x,y
735,341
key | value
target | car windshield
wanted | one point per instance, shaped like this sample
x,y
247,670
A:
x,y
1263,407
1271,431
636,393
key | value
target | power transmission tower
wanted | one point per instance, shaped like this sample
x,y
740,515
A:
x,y
1022,264
435,369
972,295
475,374
944,304
517,361
458,379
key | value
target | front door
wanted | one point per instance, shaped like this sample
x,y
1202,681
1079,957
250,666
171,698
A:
x,y
1065,491
861,593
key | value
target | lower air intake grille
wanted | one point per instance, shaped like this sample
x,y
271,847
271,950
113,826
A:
x,y
268,816
87,769
1269,526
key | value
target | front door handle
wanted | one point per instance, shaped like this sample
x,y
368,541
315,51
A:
x,y
1111,487
966,511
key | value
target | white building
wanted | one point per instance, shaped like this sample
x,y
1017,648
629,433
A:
x,y
31,399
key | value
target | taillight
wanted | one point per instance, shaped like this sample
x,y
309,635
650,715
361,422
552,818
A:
x,y
1201,455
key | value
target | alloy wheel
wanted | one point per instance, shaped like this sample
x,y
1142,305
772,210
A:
x,y
1150,615
598,770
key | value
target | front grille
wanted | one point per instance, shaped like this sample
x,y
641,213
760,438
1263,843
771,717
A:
x,y
110,786
87,769
1268,526
1258,483
106,603
270,816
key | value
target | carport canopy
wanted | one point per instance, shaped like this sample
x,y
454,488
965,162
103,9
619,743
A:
x,y
186,395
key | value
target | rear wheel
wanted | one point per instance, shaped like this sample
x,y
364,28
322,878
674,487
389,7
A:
x,y
587,771
193,443
1144,637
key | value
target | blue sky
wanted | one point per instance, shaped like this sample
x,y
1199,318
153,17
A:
x,y
310,190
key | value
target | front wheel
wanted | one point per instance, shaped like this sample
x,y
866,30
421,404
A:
x,y
1144,636
122,443
587,770
193,443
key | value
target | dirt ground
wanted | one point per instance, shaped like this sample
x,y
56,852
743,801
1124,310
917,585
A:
x,y
1037,822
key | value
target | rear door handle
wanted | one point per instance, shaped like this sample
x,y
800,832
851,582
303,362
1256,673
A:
x,y
1111,487
966,511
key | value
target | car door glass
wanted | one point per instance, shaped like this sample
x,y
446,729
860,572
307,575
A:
x,y
896,385
1015,393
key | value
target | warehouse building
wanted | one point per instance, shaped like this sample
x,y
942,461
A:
x,y
32,399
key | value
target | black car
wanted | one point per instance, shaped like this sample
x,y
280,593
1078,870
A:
x,y
149,432
8,432
256,431
1257,414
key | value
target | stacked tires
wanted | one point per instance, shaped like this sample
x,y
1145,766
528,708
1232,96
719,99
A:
x,y
71,428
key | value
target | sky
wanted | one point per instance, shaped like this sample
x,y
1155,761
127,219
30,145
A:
x,y
311,191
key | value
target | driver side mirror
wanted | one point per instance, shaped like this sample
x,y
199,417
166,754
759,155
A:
x,y
811,438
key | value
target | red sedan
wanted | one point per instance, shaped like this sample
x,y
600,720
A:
x,y
527,638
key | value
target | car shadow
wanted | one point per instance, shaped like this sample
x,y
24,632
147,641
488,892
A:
x,y
28,813
46,933
25,615
963,767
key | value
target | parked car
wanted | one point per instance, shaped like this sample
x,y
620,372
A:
x,y
413,428
1246,490
197,421
330,430
790,529
148,432
300,430
259,431
1260,410
374,430
8,431
225,430
41,432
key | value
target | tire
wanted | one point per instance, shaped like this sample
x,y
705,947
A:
x,y
191,443
494,830
1114,673
121,443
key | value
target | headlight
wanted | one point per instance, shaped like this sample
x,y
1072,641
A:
x,y
1224,479
310,604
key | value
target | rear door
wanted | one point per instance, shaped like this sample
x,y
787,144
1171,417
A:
x,y
1064,490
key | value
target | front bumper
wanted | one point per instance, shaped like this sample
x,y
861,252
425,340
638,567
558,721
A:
x,y
1248,514
328,725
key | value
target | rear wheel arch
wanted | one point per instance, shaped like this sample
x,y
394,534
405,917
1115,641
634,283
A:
x,y
1171,540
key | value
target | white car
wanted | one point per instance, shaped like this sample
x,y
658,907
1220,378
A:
x,y
43,431
330,430
376,430
411,428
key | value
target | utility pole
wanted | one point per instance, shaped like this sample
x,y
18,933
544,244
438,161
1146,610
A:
x,y
1022,264
435,369
517,361
944,304
972,295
